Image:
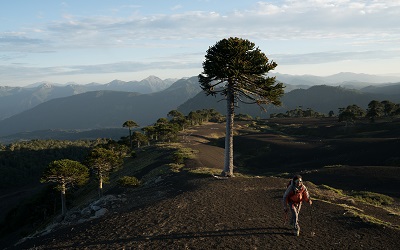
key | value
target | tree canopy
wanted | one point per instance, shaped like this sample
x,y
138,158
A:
x,y
102,161
65,173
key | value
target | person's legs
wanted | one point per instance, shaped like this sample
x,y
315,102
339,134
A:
x,y
294,221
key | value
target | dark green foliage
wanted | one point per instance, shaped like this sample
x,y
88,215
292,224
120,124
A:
x,y
243,117
128,181
351,113
130,124
102,161
298,112
375,110
178,157
65,172
244,67
22,163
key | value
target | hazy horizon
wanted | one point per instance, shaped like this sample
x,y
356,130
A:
x,y
355,77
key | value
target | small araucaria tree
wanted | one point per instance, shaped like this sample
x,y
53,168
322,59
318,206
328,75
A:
x,y
102,161
237,69
65,173
130,124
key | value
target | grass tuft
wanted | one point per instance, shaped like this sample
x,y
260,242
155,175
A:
x,y
373,198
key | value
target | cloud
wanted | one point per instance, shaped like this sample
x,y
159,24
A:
x,y
14,38
294,19
177,7
24,72
333,56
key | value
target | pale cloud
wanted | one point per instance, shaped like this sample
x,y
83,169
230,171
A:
x,y
289,20
177,7
23,72
333,56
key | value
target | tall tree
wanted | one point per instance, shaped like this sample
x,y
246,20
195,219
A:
x,y
375,109
178,118
150,132
130,124
65,173
102,161
237,69
139,138
388,107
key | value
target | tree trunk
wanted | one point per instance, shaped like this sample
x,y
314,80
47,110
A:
x,y
230,114
130,137
100,186
63,201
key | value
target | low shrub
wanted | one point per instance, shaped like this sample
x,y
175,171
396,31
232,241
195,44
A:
x,y
128,181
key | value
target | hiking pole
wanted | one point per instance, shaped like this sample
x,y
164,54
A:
x,y
312,221
286,217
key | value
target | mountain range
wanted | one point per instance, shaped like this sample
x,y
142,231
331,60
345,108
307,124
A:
x,y
101,109
320,98
96,107
14,100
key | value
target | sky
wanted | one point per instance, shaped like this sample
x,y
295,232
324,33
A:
x,y
86,41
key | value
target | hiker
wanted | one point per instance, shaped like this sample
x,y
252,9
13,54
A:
x,y
294,195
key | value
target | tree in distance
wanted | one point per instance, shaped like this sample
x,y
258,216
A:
x,y
65,173
375,109
130,124
102,161
139,138
237,70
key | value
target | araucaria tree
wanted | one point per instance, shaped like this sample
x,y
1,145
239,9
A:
x,y
65,173
237,69
102,161
130,124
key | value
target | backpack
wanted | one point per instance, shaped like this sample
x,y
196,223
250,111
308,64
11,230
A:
x,y
289,183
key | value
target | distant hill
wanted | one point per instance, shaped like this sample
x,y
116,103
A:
x,y
320,98
343,79
14,100
101,109
387,89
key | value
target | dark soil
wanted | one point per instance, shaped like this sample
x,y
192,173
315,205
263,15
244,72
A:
x,y
185,211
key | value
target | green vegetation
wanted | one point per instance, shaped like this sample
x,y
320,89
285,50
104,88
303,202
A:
x,y
182,154
130,124
65,173
337,191
350,114
298,112
362,196
349,201
102,161
128,181
373,198
22,163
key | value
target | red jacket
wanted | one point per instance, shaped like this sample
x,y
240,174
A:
x,y
296,196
